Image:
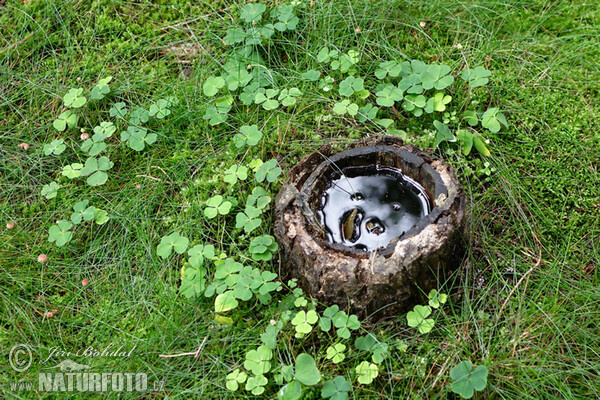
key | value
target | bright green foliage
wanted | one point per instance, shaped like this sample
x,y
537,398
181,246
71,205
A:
x,y
253,12
325,55
226,301
237,77
346,62
377,348
96,169
118,110
73,98
286,19
83,212
471,117
137,137
437,76
304,321
235,378
477,76
55,147
344,324
100,216
311,75
160,109
337,389
60,233
437,103
367,372
268,171
248,136
258,361
436,299
263,247
72,171
199,252
325,320
51,190
467,380
345,107
235,172
267,98
288,97
291,391
492,118
95,145
387,96
480,146
105,128
391,68
249,219
216,115
256,384
138,116
335,353
307,372
443,133
193,281
269,337
249,93
217,205
234,36
351,85
67,118
326,83
212,85
101,89
417,318
367,112
466,141
414,104
259,198
171,242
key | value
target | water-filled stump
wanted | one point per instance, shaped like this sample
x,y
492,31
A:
x,y
372,228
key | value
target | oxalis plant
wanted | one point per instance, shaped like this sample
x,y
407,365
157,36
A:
x,y
137,134
396,91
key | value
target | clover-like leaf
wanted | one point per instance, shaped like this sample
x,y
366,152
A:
x,y
471,118
436,299
263,247
437,103
216,115
335,353
437,76
249,219
258,361
367,372
171,242
226,301
267,98
137,137
199,252
193,281
60,233
351,85
337,389
73,98
477,76
345,107
418,318
311,75
67,118
72,171
160,109
101,89
51,190
326,83
468,380
100,216
256,384
387,96
235,172
118,110
288,97
414,103
345,324
306,369
304,321
347,61
443,133
138,116
217,205
252,12
234,36
95,168
234,379
492,118
325,55
367,112
325,320
287,20
212,85
268,171
55,147
391,68
258,198
249,135
83,212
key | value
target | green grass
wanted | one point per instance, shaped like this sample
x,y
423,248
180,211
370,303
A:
x,y
525,304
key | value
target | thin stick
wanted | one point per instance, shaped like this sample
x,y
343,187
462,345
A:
x,y
196,353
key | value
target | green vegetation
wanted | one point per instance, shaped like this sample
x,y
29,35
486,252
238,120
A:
x,y
144,143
